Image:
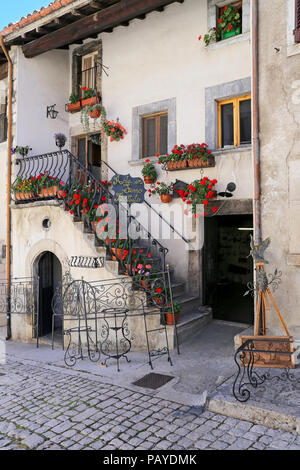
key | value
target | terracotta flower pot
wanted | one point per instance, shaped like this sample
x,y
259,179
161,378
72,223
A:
x,y
95,114
23,196
74,108
145,284
51,191
118,254
170,318
166,198
170,165
148,180
90,101
183,164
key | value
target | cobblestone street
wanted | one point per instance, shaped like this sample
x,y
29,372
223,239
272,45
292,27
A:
x,y
44,407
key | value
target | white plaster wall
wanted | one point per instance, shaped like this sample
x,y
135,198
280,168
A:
x,y
41,82
63,239
161,58
150,60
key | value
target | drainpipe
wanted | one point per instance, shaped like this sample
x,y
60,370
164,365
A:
x,y
8,189
255,125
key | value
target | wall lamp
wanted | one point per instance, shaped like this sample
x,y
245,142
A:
x,y
51,112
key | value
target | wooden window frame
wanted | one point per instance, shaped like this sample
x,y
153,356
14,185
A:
x,y
93,56
144,119
297,21
238,4
236,119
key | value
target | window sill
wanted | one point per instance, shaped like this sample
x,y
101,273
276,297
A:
x,y
227,42
142,161
233,149
293,49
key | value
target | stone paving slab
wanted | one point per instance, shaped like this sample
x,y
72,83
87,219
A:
x,y
275,403
80,414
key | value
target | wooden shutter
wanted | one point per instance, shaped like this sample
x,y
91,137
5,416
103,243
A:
x,y
297,25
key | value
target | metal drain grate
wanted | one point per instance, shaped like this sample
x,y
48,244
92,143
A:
x,y
153,381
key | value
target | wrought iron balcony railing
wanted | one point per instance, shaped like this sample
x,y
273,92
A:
x,y
87,78
59,175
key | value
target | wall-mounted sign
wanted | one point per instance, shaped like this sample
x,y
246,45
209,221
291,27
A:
x,y
87,262
124,186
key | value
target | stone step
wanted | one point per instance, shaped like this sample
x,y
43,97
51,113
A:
x,y
188,303
178,289
191,323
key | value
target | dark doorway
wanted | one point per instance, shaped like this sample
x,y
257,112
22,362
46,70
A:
x,y
228,267
89,154
50,275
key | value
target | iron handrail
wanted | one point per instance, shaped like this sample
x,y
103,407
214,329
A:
x,y
68,175
154,210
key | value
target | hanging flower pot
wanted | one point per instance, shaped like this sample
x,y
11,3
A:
x,y
74,108
95,113
89,101
166,198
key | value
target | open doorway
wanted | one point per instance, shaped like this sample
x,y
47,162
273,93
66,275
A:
x,y
50,277
89,154
228,267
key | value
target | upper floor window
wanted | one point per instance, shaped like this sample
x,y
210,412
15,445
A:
x,y
88,71
229,19
297,22
234,121
155,134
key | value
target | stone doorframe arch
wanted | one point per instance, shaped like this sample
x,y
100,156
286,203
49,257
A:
x,y
32,260
39,249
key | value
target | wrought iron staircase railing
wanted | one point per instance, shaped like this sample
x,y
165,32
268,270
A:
x,y
59,175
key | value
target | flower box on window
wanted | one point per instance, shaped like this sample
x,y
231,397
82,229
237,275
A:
x,y
185,157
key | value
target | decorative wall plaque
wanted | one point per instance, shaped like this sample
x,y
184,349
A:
x,y
127,187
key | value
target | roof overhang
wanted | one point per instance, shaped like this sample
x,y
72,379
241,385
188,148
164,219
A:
x,y
82,19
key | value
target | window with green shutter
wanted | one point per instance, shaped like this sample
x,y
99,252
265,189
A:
x,y
297,23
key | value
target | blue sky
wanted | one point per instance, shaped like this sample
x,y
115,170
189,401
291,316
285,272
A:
x,y
13,10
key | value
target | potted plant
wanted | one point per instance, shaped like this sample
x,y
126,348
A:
x,y
199,192
48,186
183,156
228,25
119,248
74,104
24,189
169,315
149,172
164,190
89,97
60,140
86,113
114,130
23,151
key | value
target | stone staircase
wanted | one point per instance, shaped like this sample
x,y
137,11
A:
x,y
77,179
193,316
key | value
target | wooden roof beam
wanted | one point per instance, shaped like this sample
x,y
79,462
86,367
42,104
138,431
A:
x,y
103,20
